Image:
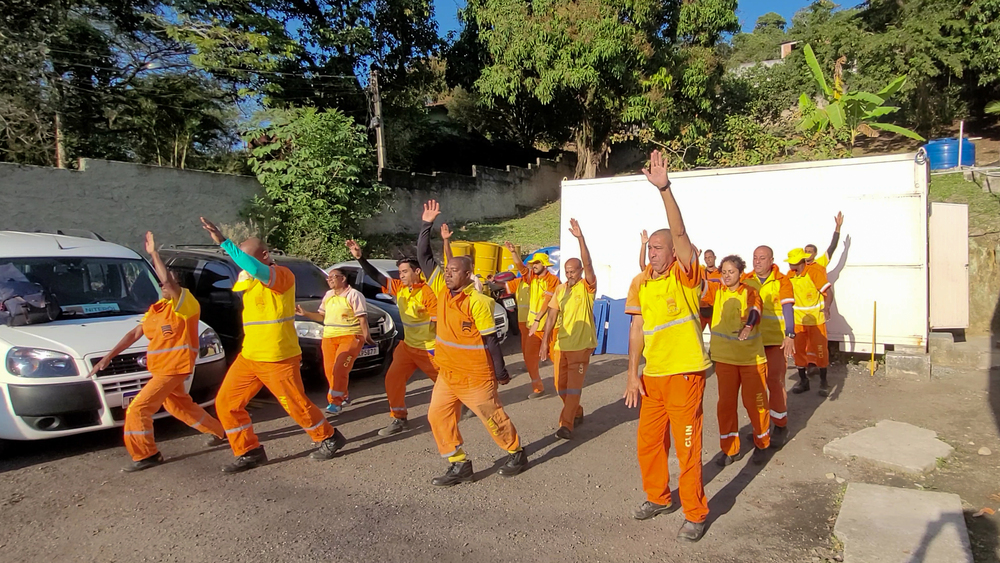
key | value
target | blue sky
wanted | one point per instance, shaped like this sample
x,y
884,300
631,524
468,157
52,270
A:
x,y
748,11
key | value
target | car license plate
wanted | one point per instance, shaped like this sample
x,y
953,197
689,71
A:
x,y
368,351
509,303
127,398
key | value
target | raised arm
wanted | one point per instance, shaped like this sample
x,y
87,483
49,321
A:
x,y
588,265
839,219
657,175
446,237
424,254
257,269
170,288
518,263
370,270
642,250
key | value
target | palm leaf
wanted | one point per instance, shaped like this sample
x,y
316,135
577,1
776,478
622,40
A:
x,y
880,111
865,96
993,107
817,72
898,130
892,88
836,113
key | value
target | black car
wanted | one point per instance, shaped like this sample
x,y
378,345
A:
x,y
210,275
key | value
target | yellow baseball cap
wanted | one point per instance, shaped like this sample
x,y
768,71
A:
x,y
797,255
540,257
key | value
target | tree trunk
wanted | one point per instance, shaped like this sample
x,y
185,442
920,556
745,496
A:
x,y
589,150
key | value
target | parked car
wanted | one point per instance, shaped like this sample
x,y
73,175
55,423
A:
x,y
373,291
102,291
212,273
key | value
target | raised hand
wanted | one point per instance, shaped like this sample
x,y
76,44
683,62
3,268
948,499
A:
x,y
510,247
354,248
574,229
431,210
839,219
445,231
657,171
644,237
217,235
150,243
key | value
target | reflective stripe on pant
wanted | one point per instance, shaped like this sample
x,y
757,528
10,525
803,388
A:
x,y
571,368
754,391
339,355
811,346
405,360
777,396
531,346
166,391
284,380
672,405
451,391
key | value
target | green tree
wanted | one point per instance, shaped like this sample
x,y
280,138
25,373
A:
x,y
852,112
317,170
771,21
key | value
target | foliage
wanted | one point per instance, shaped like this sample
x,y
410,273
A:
x,y
745,142
984,45
317,171
853,112
993,107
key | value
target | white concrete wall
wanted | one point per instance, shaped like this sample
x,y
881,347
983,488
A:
x,y
121,201
487,194
882,254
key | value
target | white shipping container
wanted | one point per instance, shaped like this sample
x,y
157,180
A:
x,y
882,256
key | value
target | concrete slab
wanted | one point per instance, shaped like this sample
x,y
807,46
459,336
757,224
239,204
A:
x,y
893,445
977,352
908,365
889,525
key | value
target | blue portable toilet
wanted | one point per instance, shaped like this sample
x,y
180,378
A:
x,y
616,340
601,308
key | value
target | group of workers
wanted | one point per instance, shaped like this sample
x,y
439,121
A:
x,y
757,319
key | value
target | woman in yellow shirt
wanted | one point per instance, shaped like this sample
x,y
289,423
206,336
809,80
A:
x,y
738,352
345,331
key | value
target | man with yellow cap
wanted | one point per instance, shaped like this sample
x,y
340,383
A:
x,y
813,296
542,284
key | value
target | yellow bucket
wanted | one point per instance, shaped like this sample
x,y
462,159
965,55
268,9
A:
x,y
460,248
507,263
487,255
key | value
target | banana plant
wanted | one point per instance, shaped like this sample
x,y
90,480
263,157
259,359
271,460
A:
x,y
855,112
993,107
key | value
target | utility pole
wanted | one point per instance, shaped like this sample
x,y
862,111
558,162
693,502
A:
x,y
379,129
60,154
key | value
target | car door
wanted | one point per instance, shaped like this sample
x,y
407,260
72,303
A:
x,y
221,308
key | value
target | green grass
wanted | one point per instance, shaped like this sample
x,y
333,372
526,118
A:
x,y
984,207
534,229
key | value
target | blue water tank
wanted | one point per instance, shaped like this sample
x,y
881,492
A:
x,y
601,309
619,323
943,153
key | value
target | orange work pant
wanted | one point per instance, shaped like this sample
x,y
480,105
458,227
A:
x,y
672,405
753,381
811,346
451,391
339,354
531,346
777,396
405,360
284,380
571,368
166,391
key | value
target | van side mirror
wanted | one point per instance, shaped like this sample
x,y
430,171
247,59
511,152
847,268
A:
x,y
385,297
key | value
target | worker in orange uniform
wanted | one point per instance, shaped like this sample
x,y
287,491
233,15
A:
x,y
470,365
711,272
270,357
664,302
171,326
824,260
542,285
417,310
777,330
571,318
813,298
738,352
344,315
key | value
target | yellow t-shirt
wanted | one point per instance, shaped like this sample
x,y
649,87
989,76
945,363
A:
x,y
671,325
542,289
809,289
269,316
417,310
574,306
730,313
774,293
343,314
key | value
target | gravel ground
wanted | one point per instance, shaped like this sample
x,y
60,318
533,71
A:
x,y
65,500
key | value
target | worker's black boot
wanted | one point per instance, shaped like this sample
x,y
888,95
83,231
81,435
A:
x,y
459,472
778,437
329,447
651,509
151,461
691,531
824,387
803,385
254,458
516,463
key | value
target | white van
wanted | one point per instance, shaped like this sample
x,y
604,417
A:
x,y
102,290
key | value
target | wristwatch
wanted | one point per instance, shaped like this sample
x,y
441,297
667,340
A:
x,y
790,335
664,188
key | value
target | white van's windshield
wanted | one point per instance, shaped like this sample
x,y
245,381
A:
x,y
93,287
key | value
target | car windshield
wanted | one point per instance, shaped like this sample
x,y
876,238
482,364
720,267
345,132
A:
x,y
93,287
310,281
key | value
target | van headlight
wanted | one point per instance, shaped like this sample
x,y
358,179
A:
x,y
209,344
388,326
35,362
309,329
